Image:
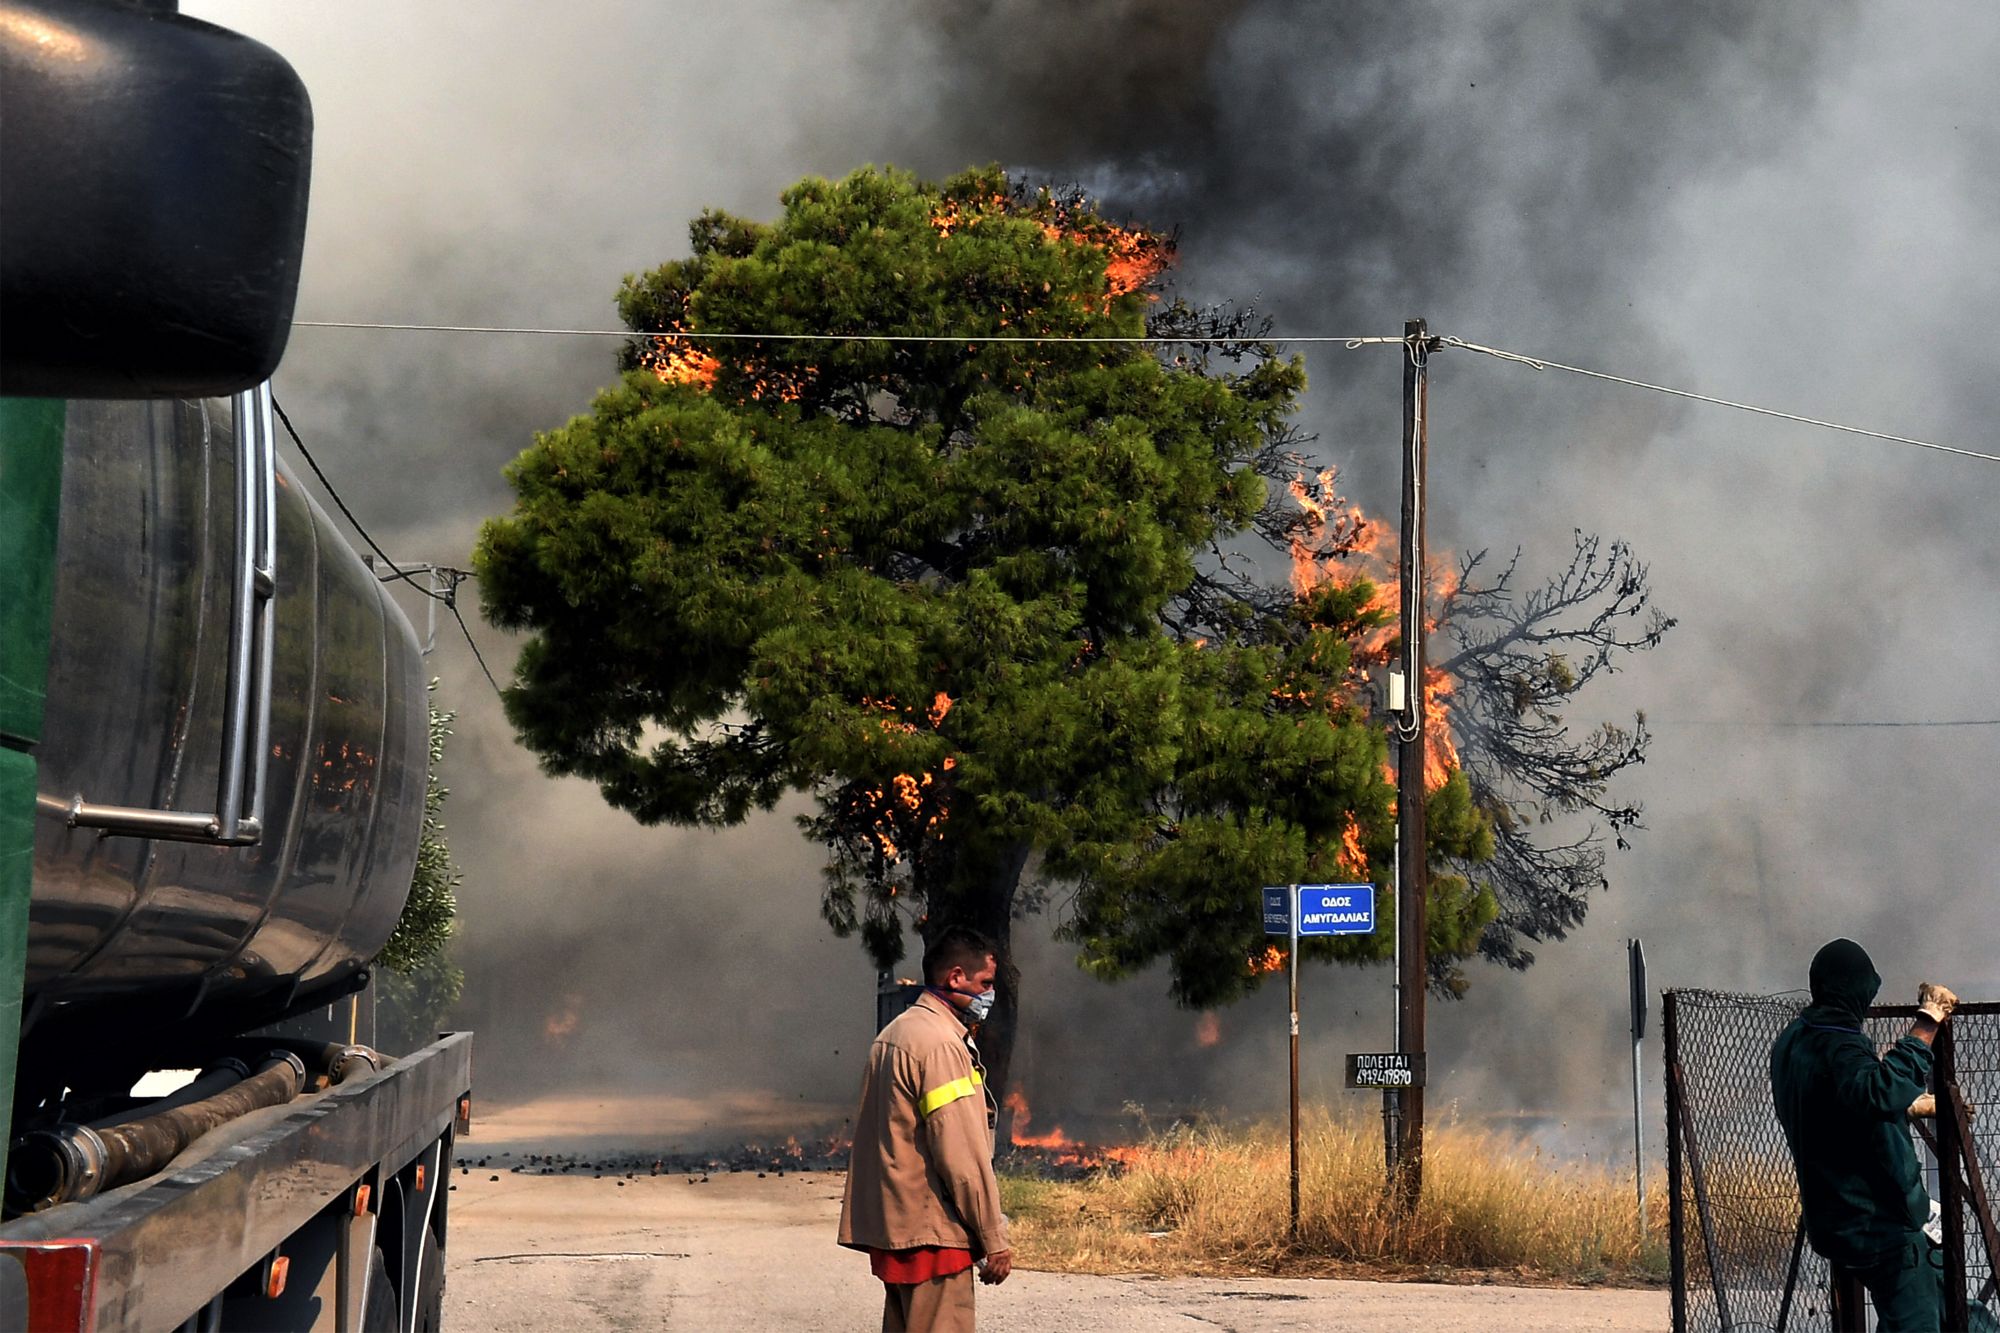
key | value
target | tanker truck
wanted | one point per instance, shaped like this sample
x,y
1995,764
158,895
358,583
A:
x,y
213,729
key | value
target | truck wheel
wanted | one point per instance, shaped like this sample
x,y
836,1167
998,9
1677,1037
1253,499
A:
x,y
378,1311
430,1286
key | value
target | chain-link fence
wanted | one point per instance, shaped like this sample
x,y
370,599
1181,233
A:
x,y
1740,1261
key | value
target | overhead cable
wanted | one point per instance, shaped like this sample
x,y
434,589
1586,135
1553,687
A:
x,y
449,599
452,606
1351,342
705,335
1542,363
341,504
1820,723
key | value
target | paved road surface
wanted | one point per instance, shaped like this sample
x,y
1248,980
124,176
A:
x,y
576,1253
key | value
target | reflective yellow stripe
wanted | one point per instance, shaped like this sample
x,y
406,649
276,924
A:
x,y
928,1104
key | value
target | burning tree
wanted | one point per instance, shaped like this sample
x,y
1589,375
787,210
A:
x,y
1498,732
1518,660
975,597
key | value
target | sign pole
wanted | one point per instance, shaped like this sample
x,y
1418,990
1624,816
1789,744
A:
x,y
1636,958
1293,910
1293,902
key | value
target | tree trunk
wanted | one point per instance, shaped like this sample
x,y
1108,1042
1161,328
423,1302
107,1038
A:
x,y
993,916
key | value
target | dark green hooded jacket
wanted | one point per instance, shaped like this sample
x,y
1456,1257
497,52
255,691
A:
x,y
1843,1111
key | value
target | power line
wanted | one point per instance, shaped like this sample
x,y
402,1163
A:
x,y
451,604
703,334
341,504
1351,342
1541,363
1829,723
457,576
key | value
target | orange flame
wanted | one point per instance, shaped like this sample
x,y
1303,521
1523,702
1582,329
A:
x,y
1271,960
564,1023
1133,257
1066,1150
675,361
1352,858
912,802
1339,542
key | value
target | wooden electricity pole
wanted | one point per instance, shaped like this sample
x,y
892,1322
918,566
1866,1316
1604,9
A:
x,y
1412,916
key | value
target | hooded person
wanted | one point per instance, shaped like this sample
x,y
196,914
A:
x,y
1844,1111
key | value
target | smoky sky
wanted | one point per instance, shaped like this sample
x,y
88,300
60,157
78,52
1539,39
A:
x,y
1790,204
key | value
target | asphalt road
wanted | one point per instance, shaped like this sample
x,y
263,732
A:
x,y
739,1252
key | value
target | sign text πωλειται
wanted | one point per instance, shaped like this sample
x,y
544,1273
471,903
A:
x,y
1386,1070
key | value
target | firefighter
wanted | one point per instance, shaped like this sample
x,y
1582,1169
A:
x,y
921,1197
1844,1112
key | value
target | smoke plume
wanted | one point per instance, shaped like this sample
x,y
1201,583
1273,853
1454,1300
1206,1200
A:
x,y
1785,203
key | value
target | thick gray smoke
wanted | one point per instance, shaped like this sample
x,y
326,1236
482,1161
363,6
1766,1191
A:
x,y
1785,203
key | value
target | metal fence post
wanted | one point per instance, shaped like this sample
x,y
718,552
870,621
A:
x,y
1951,1165
1792,1275
1670,1034
1704,1209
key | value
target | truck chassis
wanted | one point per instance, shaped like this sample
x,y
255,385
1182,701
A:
x,y
292,1218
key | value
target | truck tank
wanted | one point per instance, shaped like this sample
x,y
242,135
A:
x,y
132,934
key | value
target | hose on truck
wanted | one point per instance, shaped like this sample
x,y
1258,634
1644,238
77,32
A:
x,y
69,1163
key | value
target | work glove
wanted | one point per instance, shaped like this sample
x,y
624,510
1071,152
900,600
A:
x,y
1935,1002
1924,1107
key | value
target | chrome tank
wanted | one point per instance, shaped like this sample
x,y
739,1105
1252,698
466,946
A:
x,y
150,931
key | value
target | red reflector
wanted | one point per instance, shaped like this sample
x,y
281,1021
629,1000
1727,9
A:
x,y
420,1177
274,1285
361,1196
62,1283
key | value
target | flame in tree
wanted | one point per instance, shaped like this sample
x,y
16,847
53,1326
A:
x,y
1338,542
1133,256
677,361
1353,859
912,806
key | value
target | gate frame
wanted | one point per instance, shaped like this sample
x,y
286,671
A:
x,y
1961,1182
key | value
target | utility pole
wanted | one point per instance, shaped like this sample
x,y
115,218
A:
x,y
1392,1098
1413,868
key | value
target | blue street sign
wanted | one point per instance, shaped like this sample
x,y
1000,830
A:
x,y
1324,909
1336,909
1277,911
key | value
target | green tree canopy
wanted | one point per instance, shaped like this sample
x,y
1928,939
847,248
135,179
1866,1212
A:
x,y
416,982
424,929
954,589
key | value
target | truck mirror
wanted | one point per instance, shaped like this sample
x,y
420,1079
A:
x,y
152,202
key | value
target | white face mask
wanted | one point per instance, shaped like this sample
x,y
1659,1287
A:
x,y
982,1001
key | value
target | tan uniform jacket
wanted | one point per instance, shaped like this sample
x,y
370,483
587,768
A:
x,y
922,1169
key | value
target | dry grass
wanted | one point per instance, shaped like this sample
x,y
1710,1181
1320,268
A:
x,y
1213,1201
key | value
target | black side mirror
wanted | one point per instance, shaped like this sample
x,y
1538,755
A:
x,y
152,202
